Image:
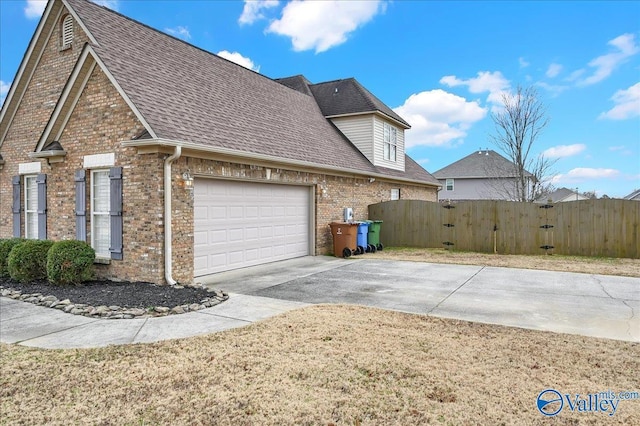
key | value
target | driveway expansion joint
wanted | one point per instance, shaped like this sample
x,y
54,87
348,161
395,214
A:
x,y
454,291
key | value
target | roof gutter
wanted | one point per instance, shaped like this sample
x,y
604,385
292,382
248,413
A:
x,y
168,261
141,143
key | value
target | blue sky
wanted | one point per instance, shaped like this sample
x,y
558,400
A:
x,y
442,65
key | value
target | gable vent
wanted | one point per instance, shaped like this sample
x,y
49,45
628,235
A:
x,y
67,32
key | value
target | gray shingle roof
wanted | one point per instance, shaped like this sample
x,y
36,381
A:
x,y
187,94
480,164
297,82
348,96
558,194
635,195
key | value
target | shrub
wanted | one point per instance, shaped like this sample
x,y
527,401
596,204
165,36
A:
x,y
28,260
70,262
5,249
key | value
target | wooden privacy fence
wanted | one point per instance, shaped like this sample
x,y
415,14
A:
x,y
585,228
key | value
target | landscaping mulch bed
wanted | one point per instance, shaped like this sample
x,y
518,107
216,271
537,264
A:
x,y
125,294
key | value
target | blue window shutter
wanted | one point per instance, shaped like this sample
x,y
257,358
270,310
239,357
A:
x,y
115,212
41,181
15,181
81,205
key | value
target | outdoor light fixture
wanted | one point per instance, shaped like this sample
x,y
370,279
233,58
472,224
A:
x,y
188,179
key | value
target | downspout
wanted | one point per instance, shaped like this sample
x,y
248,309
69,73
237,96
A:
x,y
168,263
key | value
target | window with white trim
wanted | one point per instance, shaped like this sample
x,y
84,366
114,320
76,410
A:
x,y
100,203
395,194
449,184
66,32
390,142
30,207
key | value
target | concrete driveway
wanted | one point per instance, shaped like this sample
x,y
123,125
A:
x,y
589,305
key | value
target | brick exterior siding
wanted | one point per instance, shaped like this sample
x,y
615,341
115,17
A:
x,y
100,121
332,195
34,111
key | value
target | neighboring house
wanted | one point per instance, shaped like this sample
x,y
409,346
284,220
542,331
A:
x,y
635,195
561,195
175,163
482,175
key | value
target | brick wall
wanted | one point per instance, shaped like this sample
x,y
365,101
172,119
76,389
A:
x,y
34,111
333,194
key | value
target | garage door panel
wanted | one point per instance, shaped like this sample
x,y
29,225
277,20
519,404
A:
x,y
238,224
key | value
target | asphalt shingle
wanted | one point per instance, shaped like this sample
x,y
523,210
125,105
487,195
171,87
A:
x,y
479,164
189,95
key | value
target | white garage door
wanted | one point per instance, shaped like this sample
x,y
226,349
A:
x,y
239,224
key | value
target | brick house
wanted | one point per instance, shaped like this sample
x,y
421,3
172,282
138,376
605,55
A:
x,y
175,163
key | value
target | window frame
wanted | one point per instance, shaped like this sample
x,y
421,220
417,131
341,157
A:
x,y
449,182
395,191
33,235
389,143
92,215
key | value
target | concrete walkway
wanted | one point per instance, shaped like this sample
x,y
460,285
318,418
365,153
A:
x,y
590,305
31,325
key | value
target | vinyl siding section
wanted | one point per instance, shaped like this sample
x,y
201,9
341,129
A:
x,y
475,189
359,130
378,139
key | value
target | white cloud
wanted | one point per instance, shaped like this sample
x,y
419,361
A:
x,y
553,89
627,104
617,148
321,25
34,8
239,59
561,151
493,82
553,70
4,89
180,32
625,47
581,174
438,118
252,10
523,63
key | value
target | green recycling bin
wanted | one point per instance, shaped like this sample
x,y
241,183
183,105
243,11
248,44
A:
x,y
374,234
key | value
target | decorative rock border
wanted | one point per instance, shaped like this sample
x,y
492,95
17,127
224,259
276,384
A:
x,y
111,312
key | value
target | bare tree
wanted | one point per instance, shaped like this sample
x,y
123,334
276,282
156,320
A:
x,y
518,125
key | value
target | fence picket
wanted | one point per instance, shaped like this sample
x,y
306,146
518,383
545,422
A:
x,y
586,228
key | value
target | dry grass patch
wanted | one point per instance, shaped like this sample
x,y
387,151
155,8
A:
x,y
322,365
587,265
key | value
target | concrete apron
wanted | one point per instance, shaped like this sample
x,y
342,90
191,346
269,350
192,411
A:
x,y
584,304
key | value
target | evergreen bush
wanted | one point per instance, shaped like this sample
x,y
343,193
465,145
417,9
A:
x,y
5,248
70,263
28,260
